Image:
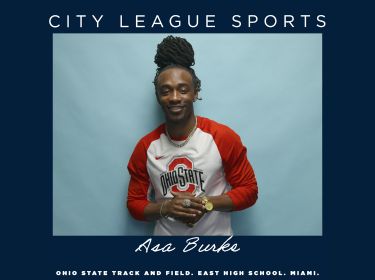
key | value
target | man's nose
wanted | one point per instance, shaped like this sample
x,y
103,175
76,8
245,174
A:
x,y
175,96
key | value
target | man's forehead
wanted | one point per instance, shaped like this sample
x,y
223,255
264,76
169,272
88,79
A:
x,y
174,76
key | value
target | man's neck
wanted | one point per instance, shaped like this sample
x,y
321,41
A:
x,y
181,129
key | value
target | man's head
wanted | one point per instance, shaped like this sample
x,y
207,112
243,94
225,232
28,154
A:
x,y
176,93
176,85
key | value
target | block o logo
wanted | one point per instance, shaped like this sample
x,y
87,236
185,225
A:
x,y
181,164
181,176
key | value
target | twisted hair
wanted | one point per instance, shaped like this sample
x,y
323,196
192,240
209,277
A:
x,y
175,52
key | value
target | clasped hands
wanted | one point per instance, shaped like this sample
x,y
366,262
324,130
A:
x,y
174,208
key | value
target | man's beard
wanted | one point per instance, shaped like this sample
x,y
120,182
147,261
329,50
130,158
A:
x,y
180,121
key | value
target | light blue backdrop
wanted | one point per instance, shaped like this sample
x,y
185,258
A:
x,y
266,87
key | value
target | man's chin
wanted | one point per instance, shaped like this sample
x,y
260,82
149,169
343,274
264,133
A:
x,y
179,120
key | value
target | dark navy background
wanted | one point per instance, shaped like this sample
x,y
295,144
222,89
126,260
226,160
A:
x,y
31,250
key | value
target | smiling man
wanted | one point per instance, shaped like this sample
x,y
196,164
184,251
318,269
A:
x,y
189,161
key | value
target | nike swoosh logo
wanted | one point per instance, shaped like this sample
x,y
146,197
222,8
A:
x,y
158,157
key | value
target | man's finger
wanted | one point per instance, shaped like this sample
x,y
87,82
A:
x,y
187,210
184,215
197,206
192,199
183,193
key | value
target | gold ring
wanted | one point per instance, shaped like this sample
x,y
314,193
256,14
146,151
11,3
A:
x,y
190,225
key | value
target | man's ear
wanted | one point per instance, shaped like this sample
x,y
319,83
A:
x,y
195,94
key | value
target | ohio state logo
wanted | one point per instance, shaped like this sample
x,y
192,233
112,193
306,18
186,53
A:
x,y
181,176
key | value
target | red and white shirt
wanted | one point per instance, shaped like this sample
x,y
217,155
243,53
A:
x,y
207,165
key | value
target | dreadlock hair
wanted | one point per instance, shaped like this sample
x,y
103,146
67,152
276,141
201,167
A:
x,y
175,52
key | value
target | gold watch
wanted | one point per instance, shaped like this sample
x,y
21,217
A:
x,y
208,204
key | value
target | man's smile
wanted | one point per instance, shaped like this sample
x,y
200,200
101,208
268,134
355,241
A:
x,y
175,109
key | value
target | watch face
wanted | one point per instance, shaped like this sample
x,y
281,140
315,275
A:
x,y
209,206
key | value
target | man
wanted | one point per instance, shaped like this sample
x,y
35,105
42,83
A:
x,y
189,161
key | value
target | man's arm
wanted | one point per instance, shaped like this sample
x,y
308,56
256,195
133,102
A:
x,y
221,203
238,172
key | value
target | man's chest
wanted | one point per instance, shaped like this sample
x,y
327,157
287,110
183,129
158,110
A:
x,y
193,168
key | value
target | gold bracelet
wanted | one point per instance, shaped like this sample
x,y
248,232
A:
x,y
161,208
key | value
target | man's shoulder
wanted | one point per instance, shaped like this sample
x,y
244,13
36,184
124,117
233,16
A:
x,y
217,130
227,141
152,136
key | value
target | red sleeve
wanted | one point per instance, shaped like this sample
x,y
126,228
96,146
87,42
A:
x,y
139,182
238,170
240,175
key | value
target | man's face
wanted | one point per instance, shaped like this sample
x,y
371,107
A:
x,y
176,94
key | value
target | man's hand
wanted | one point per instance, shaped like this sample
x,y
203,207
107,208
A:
x,y
174,208
195,218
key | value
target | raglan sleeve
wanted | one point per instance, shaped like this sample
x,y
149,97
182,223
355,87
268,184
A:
x,y
238,171
139,182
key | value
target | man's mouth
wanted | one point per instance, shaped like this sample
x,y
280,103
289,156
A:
x,y
175,109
